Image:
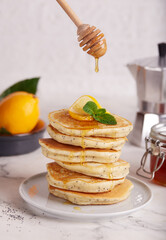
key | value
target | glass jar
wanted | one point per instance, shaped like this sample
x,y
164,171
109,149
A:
x,y
156,148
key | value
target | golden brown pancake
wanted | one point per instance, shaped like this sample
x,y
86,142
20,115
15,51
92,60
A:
x,y
62,121
116,170
62,178
87,142
67,153
118,194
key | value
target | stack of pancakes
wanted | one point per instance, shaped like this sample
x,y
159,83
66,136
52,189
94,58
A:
x,y
86,168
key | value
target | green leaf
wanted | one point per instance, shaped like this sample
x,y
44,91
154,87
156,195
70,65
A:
x,y
106,119
90,108
3,131
28,85
99,114
100,111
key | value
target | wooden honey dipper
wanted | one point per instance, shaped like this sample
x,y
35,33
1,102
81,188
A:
x,y
90,38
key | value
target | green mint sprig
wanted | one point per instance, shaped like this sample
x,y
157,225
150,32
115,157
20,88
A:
x,y
99,114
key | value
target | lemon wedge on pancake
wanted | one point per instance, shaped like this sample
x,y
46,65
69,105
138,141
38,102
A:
x,y
76,110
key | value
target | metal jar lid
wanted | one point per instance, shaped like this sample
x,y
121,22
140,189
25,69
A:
x,y
155,146
158,132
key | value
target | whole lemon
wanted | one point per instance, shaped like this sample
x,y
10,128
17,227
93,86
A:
x,y
19,112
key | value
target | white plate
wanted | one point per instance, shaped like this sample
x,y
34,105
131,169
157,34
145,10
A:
x,y
34,191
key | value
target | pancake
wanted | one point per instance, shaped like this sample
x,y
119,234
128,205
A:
x,y
118,194
116,170
67,153
62,178
87,142
62,121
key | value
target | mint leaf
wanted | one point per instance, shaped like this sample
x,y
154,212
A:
x,y
28,85
100,111
4,131
90,108
106,118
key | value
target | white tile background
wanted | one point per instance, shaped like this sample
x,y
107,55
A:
x,y
38,39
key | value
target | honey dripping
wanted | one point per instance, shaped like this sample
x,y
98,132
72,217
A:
x,y
77,208
71,156
82,156
96,64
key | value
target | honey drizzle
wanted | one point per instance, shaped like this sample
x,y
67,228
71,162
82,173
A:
x,y
83,133
96,64
67,203
77,208
109,175
65,180
83,145
82,156
71,155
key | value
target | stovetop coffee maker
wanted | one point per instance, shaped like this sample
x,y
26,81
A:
x,y
150,76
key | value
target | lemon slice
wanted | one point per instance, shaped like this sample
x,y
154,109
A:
x,y
76,110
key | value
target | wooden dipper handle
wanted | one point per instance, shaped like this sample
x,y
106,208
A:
x,y
70,12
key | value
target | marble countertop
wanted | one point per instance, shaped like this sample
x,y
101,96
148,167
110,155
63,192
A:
x,y
19,221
